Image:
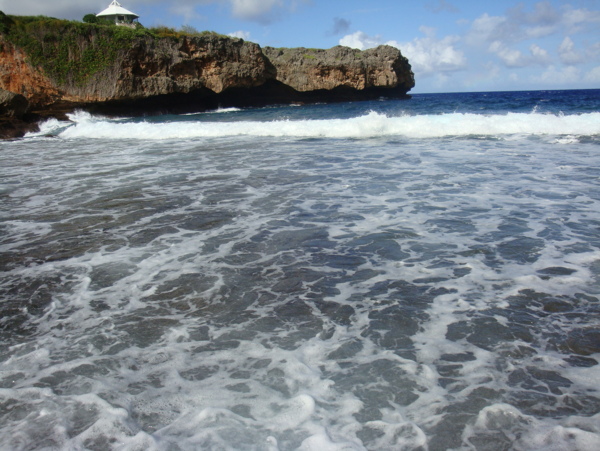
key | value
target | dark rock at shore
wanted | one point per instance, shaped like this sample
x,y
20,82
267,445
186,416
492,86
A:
x,y
17,128
13,105
14,122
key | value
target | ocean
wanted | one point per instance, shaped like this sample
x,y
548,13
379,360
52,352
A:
x,y
418,274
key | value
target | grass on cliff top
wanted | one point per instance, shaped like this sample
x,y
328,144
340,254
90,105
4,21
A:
x,y
286,53
70,52
161,31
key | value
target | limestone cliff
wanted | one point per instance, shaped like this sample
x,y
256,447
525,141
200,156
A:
x,y
50,61
57,64
315,69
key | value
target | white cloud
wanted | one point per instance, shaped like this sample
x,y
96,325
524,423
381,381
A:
x,y
539,55
567,52
510,57
515,26
262,11
568,75
245,35
427,55
360,40
431,55
515,58
75,9
482,29
542,21
576,20
440,80
519,24
493,70
69,9
543,13
593,75
509,37
594,51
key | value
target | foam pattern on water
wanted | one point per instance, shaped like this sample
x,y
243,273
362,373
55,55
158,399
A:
x,y
371,124
330,294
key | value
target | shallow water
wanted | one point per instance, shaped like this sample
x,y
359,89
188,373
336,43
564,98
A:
x,y
355,276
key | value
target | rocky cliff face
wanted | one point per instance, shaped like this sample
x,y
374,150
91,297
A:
x,y
316,69
18,76
147,67
56,63
155,67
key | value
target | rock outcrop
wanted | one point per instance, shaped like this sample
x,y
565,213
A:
x,y
156,67
145,68
13,115
59,65
316,69
13,105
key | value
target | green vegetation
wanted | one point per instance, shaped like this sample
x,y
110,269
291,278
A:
x,y
310,54
70,52
185,31
5,23
92,18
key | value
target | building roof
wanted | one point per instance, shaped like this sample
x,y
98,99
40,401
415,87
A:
x,y
115,9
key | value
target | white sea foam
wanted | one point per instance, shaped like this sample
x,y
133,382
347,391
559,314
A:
x,y
217,111
532,434
49,127
299,294
224,110
368,126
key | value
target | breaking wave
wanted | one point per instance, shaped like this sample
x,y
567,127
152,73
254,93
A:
x,y
370,125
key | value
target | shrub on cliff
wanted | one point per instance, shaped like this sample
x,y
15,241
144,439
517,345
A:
x,y
162,31
90,18
68,52
5,23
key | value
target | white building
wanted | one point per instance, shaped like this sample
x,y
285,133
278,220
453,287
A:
x,y
121,16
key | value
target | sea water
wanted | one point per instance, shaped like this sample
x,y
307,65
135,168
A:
x,y
420,274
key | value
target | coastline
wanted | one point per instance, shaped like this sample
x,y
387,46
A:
x,y
270,95
111,71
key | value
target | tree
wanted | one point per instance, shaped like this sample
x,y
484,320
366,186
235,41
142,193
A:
x,y
90,18
5,23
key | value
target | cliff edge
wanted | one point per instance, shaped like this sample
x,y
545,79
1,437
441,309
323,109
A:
x,y
59,65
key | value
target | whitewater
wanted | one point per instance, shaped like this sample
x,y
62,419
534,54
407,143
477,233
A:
x,y
370,125
421,274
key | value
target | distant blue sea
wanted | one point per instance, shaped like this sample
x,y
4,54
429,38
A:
x,y
418,274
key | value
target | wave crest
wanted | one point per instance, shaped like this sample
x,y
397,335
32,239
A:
x,y
370,125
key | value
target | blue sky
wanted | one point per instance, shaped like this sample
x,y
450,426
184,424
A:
x,y
453,45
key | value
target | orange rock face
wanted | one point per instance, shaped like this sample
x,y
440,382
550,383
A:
x,y
16,75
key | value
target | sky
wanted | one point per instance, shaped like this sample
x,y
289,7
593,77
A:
x,y
452,45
